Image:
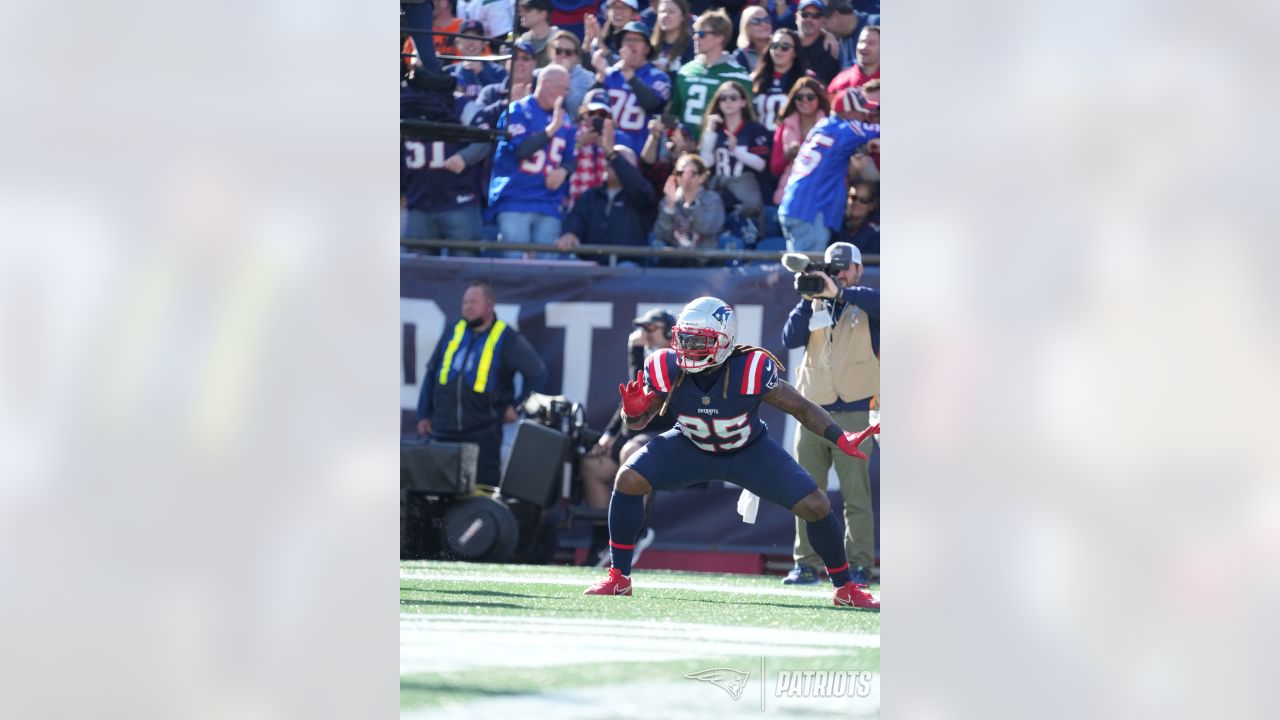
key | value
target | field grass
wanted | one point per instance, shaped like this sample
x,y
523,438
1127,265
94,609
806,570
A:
x,y
484,640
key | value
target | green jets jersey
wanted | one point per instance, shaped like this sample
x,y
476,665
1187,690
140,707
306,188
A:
x,y
696,84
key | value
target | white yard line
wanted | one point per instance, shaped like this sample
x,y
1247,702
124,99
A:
x,y
443,643
640,582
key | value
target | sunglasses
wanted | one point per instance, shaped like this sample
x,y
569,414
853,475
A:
x,y
783,46
760,20
565,51
806,97
704,33
811,16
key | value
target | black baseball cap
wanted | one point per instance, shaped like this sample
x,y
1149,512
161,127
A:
x,y
656,315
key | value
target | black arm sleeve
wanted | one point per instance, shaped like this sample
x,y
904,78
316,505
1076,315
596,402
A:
x,y
648,99
639,191
533,143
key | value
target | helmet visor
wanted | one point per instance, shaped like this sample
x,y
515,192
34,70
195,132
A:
x,y
697,344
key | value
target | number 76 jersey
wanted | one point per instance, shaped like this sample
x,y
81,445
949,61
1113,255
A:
x,y
714,420
631,120
819,175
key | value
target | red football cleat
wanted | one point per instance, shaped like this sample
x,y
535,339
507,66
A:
x,y
615,584
851,594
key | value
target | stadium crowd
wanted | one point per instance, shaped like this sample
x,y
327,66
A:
x,y
670,123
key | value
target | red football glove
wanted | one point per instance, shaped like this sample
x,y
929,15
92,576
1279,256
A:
x,y
635,400
849,442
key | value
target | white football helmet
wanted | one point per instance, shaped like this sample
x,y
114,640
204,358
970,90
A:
x,y
704,334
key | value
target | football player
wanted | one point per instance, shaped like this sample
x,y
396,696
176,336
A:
x,y
714,388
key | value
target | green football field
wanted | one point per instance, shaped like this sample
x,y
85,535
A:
x,y
509,641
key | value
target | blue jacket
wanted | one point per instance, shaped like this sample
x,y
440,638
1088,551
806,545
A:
x,y
627,222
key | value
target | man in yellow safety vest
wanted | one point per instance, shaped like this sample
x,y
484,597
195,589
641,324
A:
x,y
468,391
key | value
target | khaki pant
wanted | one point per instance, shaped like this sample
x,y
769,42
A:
x,y
815,454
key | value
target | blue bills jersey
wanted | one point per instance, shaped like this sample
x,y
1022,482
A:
x,y
819,181
717,419
469,85
631,120
520,185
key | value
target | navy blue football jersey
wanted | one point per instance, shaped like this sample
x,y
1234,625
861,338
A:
x,y
710,420
754,137
426,184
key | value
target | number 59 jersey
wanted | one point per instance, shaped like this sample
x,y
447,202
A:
x,y
720,419
819,176
520,185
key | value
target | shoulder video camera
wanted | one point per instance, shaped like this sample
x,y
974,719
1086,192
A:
x,y
799,263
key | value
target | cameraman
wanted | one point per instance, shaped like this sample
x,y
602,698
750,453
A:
x,y
839,327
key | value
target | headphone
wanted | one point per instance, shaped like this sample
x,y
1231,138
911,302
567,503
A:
x,y
666,319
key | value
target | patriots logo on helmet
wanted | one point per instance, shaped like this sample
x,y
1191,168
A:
x,y
722,313
728,679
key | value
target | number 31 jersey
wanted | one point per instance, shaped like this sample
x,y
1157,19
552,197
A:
x,y
714,420
819,179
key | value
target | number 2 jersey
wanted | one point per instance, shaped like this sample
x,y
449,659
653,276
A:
x,y
630,119
719,419
520,185
819,181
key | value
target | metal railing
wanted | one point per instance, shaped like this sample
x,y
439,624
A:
x,y
617,251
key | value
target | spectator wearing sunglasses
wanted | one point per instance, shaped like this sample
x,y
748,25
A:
x,y
754,30
823,62
698,81
736,148
777,73
862,218
565,50
806,104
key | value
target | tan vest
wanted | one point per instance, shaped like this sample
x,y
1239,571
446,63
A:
x,y
839,361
